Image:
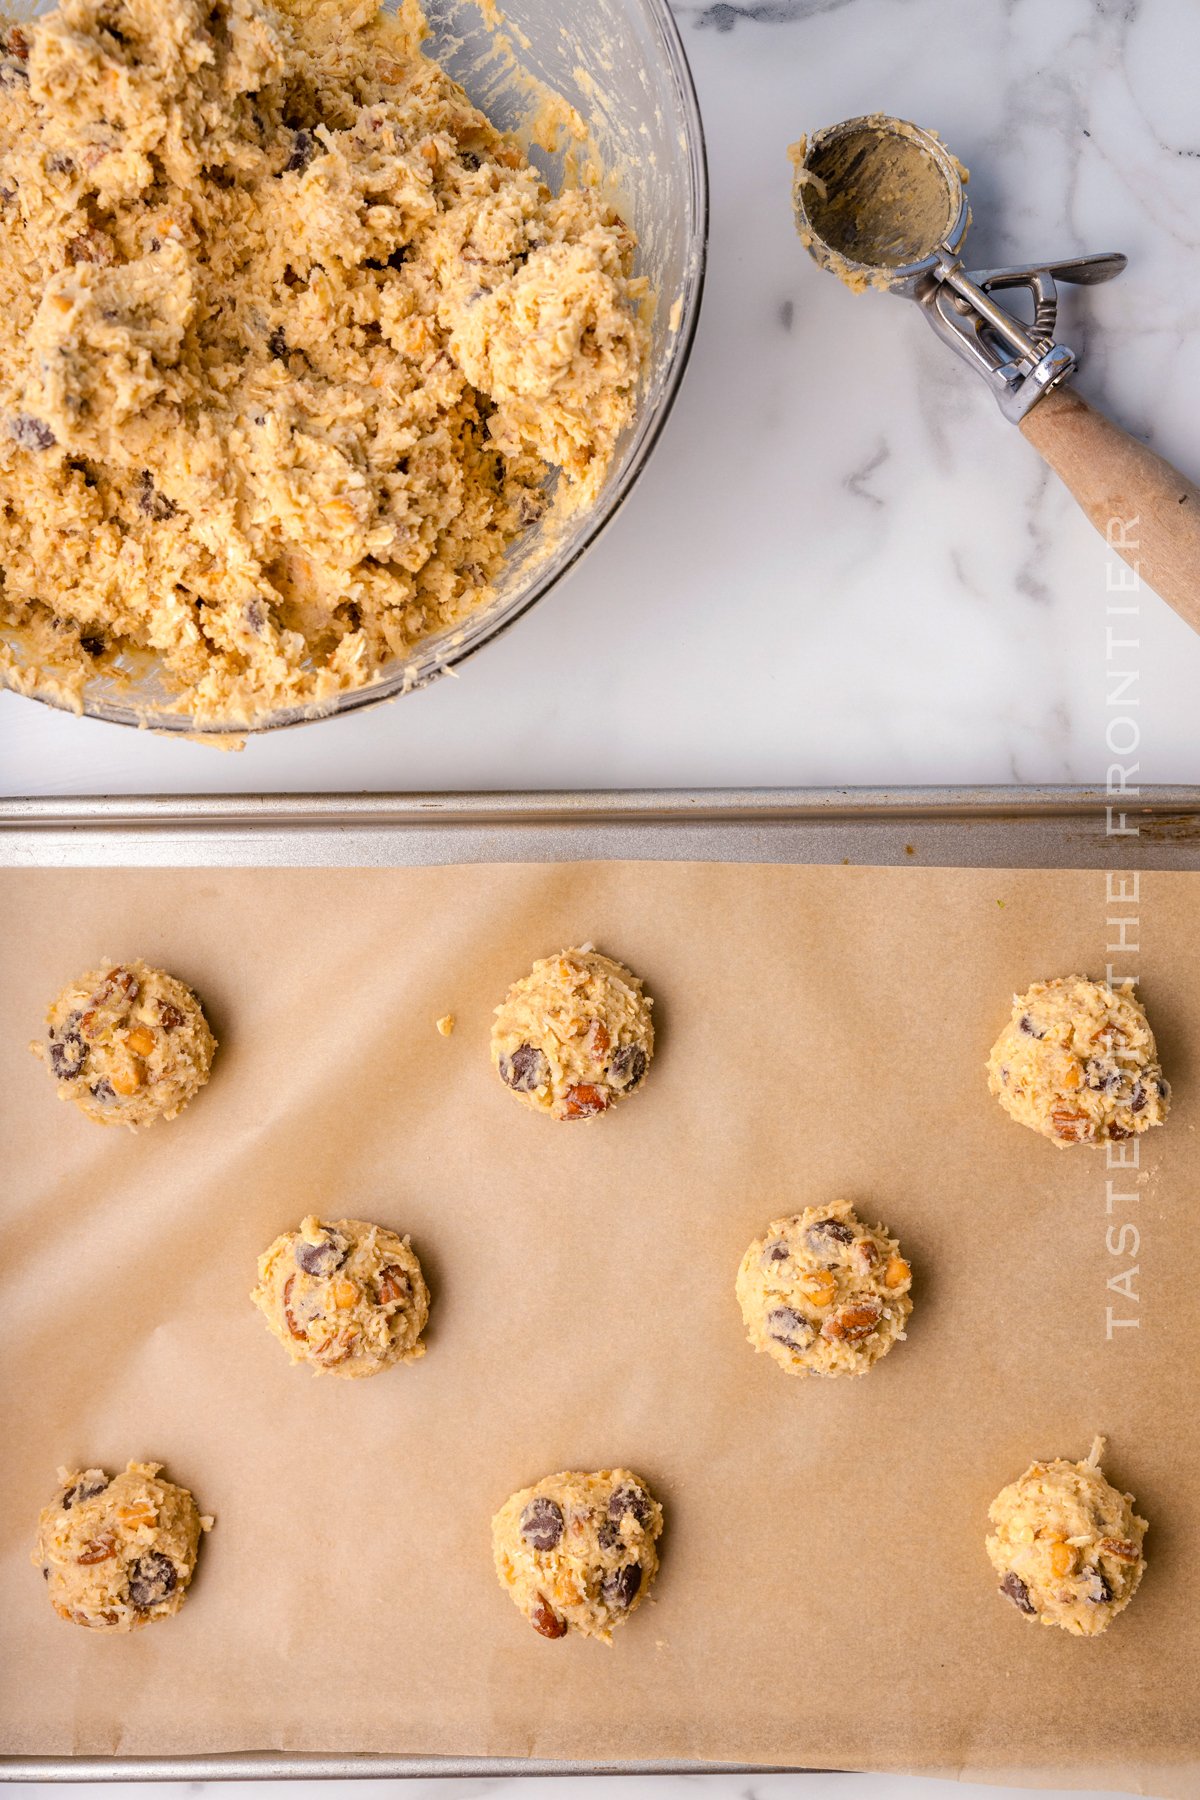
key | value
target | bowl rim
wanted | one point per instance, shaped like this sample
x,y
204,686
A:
x,y
431,663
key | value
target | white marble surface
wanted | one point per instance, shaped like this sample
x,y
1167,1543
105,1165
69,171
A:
x,y
841,564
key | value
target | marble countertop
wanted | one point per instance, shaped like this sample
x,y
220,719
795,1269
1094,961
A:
x,y
841,565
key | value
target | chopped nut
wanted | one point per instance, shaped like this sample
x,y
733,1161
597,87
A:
x,y
583,1101
99,1549
1071,1127
289,1316
392,1285
1121,1549
598,1040
854,1321
545,1621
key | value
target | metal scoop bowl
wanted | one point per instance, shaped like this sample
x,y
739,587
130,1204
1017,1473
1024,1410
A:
x,y
882,204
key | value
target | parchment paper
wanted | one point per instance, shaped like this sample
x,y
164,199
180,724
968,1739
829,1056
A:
x,y
824,1598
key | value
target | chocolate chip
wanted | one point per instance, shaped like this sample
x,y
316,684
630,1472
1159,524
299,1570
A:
x,y
68,1054
776,1252
787,1326
1014,1588
322,1258
86,1488
169,1017
13,75
103,1093
1100,1079
829,1231
59,163
1098,1591
93,645
530,507
277,343
304,148
525,1070
468,159
542,1523
629,1499
1026,1025
30,433
1139,1097
1117,1132
151,1579
156,506
627,1067
618,1589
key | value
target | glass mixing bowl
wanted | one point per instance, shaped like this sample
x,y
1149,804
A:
x,y
621,65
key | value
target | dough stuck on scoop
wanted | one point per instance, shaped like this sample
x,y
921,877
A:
x,y
128,1044
347,1297
291,341
1067,1546
577,1552
574,1036
116,1554
824,1294
1077,1063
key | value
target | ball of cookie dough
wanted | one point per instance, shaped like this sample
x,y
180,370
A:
x,y
128,1044
1067,1546
574,1036
823,1293
578,1551
1077,1063
118,1553
348,1298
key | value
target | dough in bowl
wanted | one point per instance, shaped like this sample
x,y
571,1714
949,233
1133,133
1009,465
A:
x,y
291,340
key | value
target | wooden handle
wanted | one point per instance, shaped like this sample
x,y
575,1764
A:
x,y
1147,511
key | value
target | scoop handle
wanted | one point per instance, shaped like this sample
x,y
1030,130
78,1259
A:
x,y
1148,512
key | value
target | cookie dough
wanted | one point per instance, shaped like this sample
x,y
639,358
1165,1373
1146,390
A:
x,y
291,339
128,1044
823,1293
577,1551
118,1553
574,1036
348,1298
1067,1545
1077,1063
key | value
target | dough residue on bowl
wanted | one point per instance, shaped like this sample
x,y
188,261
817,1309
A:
x,y
292,340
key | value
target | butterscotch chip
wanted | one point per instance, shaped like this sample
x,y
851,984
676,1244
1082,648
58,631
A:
x,y
1067,1546
824,1294
347,1297
577,1551
128,1044
574,1036
116,1554
1077,1062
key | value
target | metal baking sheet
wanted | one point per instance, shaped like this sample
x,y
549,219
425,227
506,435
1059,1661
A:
x,y
1058,827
